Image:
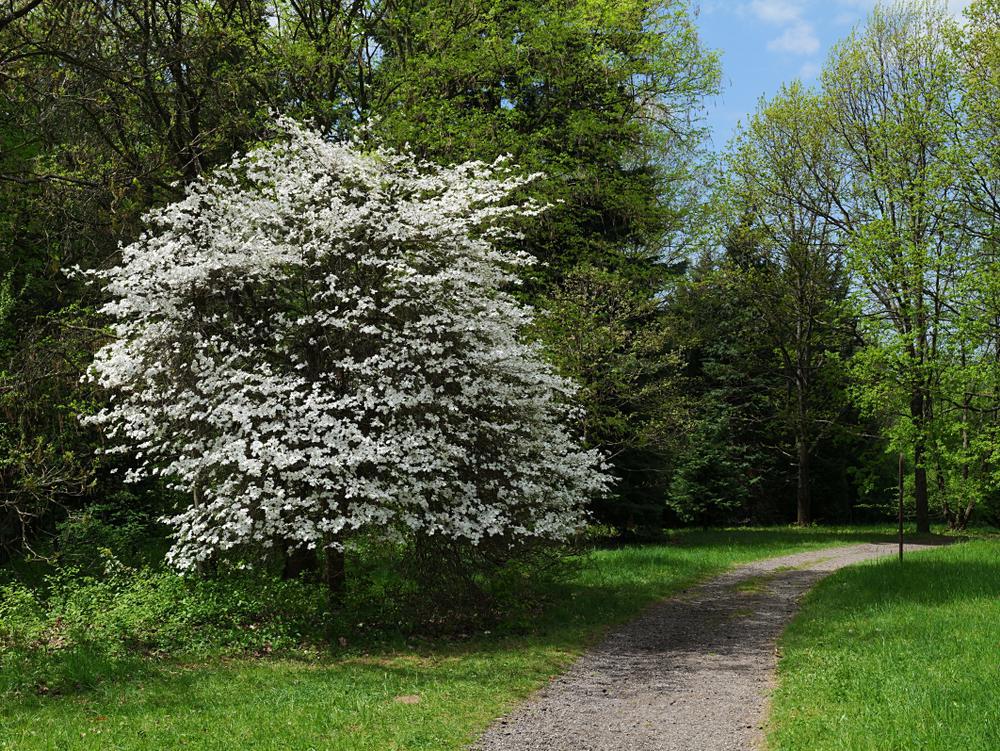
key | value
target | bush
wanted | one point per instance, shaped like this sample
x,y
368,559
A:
x,y
118,525
21,616
78,628
153,611
96,624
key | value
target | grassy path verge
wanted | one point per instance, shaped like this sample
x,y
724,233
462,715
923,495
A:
x,y
884,657
432,695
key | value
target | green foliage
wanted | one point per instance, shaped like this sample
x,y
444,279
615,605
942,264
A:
x,y
127,612
610,336
93,609
46,458
865,212
21,616
603,98
713,385
726,468
785,255
711,481
119,525
887,94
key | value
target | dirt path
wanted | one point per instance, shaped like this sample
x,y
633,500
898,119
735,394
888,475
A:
x,y
691,674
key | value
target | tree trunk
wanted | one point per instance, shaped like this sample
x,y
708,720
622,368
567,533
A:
x,y
803,494
300,561
334,572
917,412
902,487
966,516
963,518
942,486
920,492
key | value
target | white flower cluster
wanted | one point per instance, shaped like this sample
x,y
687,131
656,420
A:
x,y
318,340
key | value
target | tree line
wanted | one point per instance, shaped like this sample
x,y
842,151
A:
x,y
871,203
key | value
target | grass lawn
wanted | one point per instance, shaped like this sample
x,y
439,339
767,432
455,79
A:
x,y
430,695
889,657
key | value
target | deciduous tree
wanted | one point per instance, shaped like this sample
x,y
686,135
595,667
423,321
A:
x,y
319,340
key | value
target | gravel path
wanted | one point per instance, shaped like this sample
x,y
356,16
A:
x,y
693,673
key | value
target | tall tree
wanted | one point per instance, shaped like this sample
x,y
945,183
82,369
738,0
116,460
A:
x,y
969,446
729,464
793,264
603,98
887,92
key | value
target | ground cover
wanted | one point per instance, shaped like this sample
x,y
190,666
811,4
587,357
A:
x,y
415,694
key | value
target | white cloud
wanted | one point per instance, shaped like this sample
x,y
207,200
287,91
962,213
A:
x,y
776,11
798,39
799,36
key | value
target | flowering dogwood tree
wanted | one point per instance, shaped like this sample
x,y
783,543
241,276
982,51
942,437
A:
x,y
319,340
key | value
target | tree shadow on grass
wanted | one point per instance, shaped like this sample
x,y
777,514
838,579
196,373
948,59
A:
x,y
754,538
936,577
246,705
69,670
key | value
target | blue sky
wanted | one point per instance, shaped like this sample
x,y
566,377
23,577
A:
x,y
767,42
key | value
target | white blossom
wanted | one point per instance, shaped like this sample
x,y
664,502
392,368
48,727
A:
x,y
318,340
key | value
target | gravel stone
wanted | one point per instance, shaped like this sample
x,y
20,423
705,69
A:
x,y
693,673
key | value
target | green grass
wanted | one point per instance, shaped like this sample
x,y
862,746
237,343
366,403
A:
x,y
349,700
890,657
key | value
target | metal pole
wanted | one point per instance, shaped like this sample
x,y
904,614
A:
x,y
901,470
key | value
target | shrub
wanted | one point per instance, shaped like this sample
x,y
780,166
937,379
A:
x,y
98,624
118,525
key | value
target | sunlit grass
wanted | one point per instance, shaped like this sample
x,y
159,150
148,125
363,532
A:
x,y
890,657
